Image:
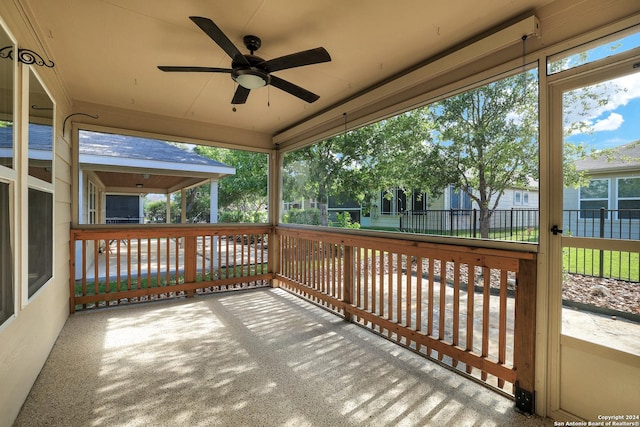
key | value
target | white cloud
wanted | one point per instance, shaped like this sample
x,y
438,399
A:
x,y
613,122
585,105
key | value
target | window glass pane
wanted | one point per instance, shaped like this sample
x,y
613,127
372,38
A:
x,y
40,239
40,131
591,209
462,152
629,209
6,256
593,51
597,189
6,99
629,187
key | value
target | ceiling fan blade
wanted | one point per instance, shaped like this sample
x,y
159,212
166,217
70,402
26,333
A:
x,y
307,57
219,37
241,95
181,69
294,90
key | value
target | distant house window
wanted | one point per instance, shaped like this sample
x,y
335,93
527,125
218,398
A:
x,y
459,200
520,198
418,201
629,198
593,197
394,201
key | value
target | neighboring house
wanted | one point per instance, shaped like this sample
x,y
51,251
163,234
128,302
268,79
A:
x,y
611,198
115,169
387,209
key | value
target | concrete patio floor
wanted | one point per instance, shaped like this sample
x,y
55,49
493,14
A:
x,y
254,358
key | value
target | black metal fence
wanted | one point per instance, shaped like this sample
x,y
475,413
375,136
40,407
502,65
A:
x,y
523,225
506,224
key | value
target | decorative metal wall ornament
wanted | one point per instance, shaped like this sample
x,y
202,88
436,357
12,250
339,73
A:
x,y
26,56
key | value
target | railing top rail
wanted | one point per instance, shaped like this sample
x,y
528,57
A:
x,y
127,231
414,244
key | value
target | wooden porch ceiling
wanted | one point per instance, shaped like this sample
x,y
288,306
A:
x,y
123,182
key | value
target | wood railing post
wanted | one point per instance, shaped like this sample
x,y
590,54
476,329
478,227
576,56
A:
x,y
72,272
525,336
190,261
347,281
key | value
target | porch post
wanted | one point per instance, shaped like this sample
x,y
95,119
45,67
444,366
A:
x,y
275,202
213,219
183,206
168,219
525,336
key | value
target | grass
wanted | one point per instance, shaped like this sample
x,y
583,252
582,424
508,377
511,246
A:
x,y
615,264
146,283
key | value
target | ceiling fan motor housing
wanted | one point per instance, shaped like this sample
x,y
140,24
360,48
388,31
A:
x,y
250,76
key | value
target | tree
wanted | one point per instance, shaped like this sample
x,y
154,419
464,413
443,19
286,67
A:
x,y
336,166
487,141
246,191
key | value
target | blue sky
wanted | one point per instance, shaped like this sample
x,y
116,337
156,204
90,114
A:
x,y
617,122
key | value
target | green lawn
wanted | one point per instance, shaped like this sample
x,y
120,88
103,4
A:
x,y
616,264
145,283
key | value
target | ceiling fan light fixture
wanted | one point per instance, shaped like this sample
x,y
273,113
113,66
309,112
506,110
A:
x,y
250,78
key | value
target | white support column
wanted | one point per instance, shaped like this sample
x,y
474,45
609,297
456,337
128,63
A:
x,y
141,209
213,219
183,206
213,202
168,219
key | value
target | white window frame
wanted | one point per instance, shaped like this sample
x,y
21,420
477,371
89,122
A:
x,y
35,184
10,176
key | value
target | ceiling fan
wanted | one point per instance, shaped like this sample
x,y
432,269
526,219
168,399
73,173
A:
x,y
250,71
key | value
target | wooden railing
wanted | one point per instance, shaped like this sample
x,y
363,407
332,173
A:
x,y
471,308
121,264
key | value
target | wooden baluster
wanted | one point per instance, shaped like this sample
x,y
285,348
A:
x,y
168,260
471,282
128,264
418,324
398,288
431,297
190,261
365,268
357,279
502,331
442,309
486,292
84,271
107,285
149,267
118,266
347,294
456,306
408,297
381,257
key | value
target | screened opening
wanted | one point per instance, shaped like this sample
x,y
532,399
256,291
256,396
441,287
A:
x,y
605,47
447,168
133,180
